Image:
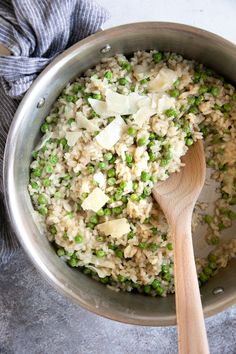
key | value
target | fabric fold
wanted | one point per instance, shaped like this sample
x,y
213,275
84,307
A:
x,y
35,32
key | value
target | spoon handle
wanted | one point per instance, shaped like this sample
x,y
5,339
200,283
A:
x,y
192,338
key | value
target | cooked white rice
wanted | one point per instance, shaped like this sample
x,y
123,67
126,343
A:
x,y
170,103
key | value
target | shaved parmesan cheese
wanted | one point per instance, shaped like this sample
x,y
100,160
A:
x,y
100,179
109,136
84,123
43,141
163,81
95,200
122,104
165,102
143,115
72,137
115,228
100,107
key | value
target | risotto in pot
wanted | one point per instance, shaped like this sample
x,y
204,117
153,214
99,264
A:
x,y
109,137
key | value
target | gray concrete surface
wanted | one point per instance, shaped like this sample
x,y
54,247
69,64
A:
x,y
36,319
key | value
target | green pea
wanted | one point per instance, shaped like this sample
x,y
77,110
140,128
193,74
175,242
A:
x,y
42,199
169,246
122,81
145,176
43,211
44,127
234,96
100,212
118,195
159,290
46,182
91,226
104,280
212,258
71,98
34,185
108,75
154,179
73,262
53,159
37,172
131,131
130,235
128,157
135,185
76,88
174,93
100,254
79,239
164,268
191,100
144,81
121,278
147,289
123,185
157,57
111,172
117,210
119,253
134,197
108,156
141,141
207,271
203,277
171,113
70,121
199,100
193,109
142,245
112,160
177,83
87,271
53,229
111,181
215,91
152,156
60,252
203,89
107,212
208,219
212,265
196,77
189,141
35,154
149,145
97,96
164,162
154,247
101,165
167,277
147,191
227,107
155,283
93,219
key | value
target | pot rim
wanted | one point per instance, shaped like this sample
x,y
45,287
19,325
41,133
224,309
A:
x,y
8,165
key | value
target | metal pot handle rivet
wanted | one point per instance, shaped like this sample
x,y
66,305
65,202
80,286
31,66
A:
x,y
218,291
106,49
41,102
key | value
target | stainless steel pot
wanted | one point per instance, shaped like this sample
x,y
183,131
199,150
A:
x,y
193,43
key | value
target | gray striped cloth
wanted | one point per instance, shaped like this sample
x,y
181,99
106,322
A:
x,y
35,32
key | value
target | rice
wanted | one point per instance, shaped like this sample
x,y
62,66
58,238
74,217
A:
x,y
182,102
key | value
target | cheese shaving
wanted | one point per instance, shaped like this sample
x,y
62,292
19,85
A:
x,y
72,137
115,228
84,123
163,81
111,134
95,200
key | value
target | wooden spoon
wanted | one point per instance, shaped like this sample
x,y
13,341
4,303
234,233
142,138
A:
x,y
177,197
